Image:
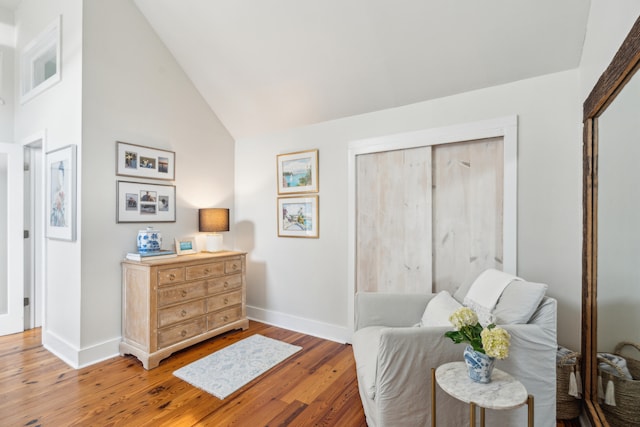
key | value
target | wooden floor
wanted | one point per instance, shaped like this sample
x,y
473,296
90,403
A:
x,y
315,387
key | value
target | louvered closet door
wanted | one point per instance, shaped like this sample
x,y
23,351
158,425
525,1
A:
x,y
428,218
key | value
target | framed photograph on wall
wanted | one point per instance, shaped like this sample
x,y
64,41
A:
x,y
61,193
298,217
298,172
186,245
145,162
142,202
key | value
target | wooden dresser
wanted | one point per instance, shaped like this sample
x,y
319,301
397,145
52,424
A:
x,y
170,304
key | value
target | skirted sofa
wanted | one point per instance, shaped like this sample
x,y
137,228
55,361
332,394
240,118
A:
x,y
395,351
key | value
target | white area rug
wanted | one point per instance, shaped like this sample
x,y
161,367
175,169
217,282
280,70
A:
x,y
223,372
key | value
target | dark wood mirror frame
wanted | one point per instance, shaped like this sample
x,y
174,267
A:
x,y
617,74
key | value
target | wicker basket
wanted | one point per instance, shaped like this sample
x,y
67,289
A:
x,y
567,406
626,411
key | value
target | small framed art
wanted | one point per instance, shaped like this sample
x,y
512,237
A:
x,y
61,193
298,172
186,245
298,217
144,162
142,202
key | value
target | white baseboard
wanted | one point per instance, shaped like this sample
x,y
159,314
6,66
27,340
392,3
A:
x,y
79,358
322,330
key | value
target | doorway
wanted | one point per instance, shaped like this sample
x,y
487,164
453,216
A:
x,y
33,233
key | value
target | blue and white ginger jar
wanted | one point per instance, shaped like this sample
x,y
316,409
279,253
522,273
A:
x,y
149,240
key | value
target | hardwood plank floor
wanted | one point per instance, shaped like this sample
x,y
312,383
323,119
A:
x,y
317,386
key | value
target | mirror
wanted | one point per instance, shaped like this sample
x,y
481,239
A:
x,y
611,228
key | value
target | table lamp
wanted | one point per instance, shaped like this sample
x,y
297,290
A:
x,y
213,221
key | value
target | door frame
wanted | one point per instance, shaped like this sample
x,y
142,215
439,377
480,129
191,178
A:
x,y
38,141
505,127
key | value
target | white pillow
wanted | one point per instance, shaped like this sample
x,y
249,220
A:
x,y
439,309
518,302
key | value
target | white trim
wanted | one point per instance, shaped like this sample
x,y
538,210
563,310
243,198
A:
x,y
79,358
299,324
34,50
505,127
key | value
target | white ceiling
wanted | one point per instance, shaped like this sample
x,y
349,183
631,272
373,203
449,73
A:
x,y
269,65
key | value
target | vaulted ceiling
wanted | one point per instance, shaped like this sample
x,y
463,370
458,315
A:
x,y
268,65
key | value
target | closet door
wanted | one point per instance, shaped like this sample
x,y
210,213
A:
x,y
393,221
468,183
428,218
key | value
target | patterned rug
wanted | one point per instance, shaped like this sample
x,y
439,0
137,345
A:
x,y
223,372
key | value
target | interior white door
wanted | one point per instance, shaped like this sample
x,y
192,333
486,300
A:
x,y
11,235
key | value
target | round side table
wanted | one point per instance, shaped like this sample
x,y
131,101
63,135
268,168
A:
x,y
503,392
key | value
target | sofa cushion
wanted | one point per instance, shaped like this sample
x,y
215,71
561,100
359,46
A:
x,y
365,351
518,302
439,309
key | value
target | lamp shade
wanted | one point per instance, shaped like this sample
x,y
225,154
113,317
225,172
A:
x,y
213,220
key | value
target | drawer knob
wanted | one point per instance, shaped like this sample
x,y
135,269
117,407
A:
x,y
183,313
206,271
184,293
172,276
183,333
225,318
226,284
234,267
226,301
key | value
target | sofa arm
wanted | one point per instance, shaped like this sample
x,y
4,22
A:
x,y
389,309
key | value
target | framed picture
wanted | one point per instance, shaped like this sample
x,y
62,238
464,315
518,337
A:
x,y
40,62
298,217
298,172
142,202
145,162
186,245
61,193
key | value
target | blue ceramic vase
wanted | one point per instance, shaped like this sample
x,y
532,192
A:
x,y
480,365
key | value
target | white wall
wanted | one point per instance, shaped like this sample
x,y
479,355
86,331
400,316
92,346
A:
x,y
7,54
134,91
608,25
302,283
58,111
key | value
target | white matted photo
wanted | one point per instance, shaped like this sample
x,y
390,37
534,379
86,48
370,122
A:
x,y
186,245
61,193
143,202
145,162
298,172
298,217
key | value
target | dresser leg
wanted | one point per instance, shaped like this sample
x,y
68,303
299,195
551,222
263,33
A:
x,y
530,408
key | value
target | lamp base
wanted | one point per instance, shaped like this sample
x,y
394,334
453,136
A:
x,y
214,243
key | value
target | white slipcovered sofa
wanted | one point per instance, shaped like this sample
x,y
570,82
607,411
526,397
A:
x,y
394,355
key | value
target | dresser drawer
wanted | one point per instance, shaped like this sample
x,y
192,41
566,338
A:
x,y
205,270
222,284
222,317
171,275
181,332
179,293
233,266
223,300
178,313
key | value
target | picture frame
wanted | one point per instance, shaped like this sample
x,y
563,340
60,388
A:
x,y
298,172
145,162
298,217
144,202
40,64
61,193
186,245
